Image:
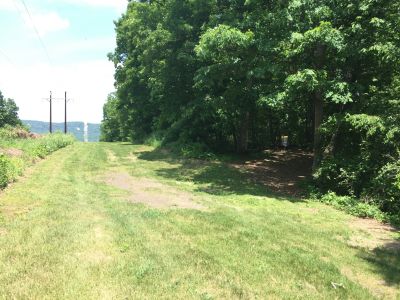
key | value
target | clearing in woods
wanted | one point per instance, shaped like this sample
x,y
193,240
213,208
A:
x,y
118,221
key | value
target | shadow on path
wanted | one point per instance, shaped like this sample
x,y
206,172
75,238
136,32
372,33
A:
x,y
385,260
271,174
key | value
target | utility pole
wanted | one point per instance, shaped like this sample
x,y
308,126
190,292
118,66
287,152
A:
x,y
65,114
51,112
50,100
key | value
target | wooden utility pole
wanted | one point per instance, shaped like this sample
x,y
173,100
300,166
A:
x,y
50,100
51,117
65,114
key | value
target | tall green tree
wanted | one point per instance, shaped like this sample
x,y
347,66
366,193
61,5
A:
x,y
226,78
111,124
237,75
8,112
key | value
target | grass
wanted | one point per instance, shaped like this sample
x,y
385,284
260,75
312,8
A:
x,y
16,154
64,234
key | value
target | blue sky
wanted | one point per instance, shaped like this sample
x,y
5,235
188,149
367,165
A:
x,y
77,35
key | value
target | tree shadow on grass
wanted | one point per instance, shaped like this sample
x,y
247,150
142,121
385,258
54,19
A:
x,y
216,178
227,178
386,261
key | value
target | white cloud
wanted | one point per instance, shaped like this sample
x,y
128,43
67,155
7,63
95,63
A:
x,y
7,5
47,22
106,44
119,5
26,77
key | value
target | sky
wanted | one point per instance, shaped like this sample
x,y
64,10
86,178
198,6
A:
x,y
58,46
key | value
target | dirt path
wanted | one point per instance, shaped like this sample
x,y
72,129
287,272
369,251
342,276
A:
x,y
151,192
281,172
66,234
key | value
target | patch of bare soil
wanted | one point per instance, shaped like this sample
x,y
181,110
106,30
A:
x,y
12,152
111,157
371,234
151,192
3,231
281,172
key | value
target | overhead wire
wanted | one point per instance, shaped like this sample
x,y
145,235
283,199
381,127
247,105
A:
x,y
7,58
36,31
20,12
54,78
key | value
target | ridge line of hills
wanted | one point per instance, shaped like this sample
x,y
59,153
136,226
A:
x,y
76,128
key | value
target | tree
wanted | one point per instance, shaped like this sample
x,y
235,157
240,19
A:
x,y
226,77
240,74
111,124
8,112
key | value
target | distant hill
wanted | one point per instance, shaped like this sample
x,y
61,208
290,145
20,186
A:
x,y
76,128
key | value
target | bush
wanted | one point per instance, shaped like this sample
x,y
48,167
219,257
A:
x,y
192,150
20,132
5,166
354,207
154,140
361,160
386,187
12,167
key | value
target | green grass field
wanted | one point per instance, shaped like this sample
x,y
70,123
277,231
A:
x,y
92,222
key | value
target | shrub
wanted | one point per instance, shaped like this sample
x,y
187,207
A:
x,y
12,167
353,206
192,150
361,160
20,132
386,187
154,140
4,170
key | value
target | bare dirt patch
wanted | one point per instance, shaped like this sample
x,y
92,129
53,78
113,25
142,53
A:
x,y
111,156
281,172
13,152
372,234
132,157
152,192
3,231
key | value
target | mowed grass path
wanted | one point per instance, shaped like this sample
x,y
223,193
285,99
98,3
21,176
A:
x,y
65,234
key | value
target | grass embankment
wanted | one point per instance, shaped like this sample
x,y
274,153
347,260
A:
x,y
92,222
19,149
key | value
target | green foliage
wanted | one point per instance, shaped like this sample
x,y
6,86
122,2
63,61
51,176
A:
x,y
237,75
6,169
73,236
193,150
224,45
386,187
32,149
110,127
44,146
361,160
153,141
8,112
353,206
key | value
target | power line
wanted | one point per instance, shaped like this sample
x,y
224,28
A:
x,y
36,31
20,12
6,58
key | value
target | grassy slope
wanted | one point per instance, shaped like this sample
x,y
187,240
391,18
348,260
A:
x,y
65,235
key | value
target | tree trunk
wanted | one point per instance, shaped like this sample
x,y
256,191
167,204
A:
x,y
318,114
243,134
318,108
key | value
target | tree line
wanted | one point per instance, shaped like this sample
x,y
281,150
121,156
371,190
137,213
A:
x,y
8,112
238,75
